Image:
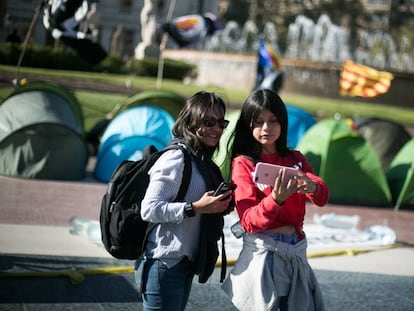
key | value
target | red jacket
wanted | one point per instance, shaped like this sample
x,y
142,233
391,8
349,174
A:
x,y
257,209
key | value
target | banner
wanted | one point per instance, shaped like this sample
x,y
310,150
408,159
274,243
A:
x,y
190,29
360,80
67,21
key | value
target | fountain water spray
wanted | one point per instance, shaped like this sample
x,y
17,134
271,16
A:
x,y
321,41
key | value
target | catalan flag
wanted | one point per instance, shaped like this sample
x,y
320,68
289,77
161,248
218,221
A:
x,y
360,80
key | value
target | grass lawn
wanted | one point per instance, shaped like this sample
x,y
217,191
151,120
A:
x,y
95,104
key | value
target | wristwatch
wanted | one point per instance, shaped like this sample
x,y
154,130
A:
x,y
189,210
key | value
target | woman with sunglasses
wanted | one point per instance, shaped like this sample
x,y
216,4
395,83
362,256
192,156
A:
x,y
272,271
184,241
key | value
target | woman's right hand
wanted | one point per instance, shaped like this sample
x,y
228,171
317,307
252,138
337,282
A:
x,y
209,204
284,187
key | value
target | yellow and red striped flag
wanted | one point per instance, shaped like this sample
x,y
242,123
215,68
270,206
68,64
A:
x,y
360,80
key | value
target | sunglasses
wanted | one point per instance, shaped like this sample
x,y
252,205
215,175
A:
x,y
210,122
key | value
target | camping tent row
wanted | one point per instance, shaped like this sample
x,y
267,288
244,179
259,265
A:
x,y
125,139
42,136
352,168
42,133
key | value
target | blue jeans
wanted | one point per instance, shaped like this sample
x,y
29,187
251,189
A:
x,y
163,288
292,239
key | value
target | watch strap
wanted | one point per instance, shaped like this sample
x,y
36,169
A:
x,y
189,210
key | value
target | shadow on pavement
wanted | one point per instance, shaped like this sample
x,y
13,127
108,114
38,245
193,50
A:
x,y
42,285
117,291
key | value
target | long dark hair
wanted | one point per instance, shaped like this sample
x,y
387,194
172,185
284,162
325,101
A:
x,y
189,119
242,141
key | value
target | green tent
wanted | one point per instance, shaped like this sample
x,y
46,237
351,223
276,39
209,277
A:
x,y
400,177
222,157
41,133
347,163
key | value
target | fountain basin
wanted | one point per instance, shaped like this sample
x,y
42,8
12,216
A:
x,y
238,71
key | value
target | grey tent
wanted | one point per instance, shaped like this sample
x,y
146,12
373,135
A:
x,y
386,137
41,133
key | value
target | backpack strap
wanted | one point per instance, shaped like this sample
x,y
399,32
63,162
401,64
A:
x,y
211,227
185,183
223,259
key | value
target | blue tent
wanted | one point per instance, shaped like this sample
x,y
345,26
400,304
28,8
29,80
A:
x,y
129,133
299,122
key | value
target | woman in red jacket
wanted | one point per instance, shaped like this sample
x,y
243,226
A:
x,y
272,272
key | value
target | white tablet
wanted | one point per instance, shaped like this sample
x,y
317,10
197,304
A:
x,y
266,173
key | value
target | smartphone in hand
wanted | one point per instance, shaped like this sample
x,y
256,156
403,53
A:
x,y
223,187
266,173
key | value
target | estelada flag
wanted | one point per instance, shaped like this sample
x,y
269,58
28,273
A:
x,y
267,57
364,81
269,68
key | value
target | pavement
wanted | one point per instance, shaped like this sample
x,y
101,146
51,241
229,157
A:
x,y
45,266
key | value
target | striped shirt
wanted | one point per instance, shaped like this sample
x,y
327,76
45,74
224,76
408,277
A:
x,y
174,236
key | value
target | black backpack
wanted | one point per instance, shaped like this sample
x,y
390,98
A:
x,y
124,233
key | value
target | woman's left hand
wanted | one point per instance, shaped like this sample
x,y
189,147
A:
x,y
305,184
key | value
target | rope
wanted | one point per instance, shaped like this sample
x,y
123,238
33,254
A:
x,y
352,252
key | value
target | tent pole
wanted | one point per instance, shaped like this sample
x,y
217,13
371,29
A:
x,y
162,47
26,39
